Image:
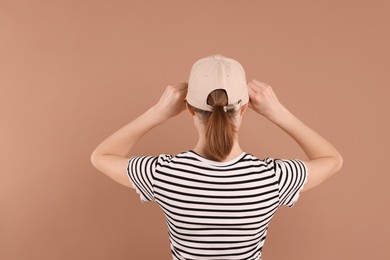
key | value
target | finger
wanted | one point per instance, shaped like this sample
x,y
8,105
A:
x,y
251,91
256,81
183,96
183,92
183,88
251,106
252,86
182,85
260,84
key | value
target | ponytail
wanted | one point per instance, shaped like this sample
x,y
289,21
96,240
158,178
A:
x,y
219,125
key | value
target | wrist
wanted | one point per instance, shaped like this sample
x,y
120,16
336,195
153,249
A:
x,y
157,114
278,114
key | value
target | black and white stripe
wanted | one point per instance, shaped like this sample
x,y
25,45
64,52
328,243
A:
x,y
217,210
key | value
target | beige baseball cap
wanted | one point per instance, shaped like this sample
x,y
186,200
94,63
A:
x,y
217,72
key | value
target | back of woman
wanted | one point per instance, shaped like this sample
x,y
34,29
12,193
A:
x,y
217,210
217,199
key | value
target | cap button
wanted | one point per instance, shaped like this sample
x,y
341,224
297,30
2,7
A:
x,y
218,56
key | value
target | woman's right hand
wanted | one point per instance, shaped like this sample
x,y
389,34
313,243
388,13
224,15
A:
x,y
324,159
262,98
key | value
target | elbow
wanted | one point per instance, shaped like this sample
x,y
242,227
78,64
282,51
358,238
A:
x,y
338,162
93,159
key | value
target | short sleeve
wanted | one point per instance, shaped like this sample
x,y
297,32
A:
x,y
291,176
140,170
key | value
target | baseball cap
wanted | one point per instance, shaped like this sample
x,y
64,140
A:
x,y
217,72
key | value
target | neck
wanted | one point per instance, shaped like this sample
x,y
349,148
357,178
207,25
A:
x,y
201,147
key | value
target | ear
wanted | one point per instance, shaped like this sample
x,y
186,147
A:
x,y
192,112
243,109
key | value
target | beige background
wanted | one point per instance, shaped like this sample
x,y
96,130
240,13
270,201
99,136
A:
x,y
73,72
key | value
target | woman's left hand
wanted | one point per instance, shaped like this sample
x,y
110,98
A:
x,y
172,101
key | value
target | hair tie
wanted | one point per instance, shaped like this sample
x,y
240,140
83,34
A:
x,y
228,108
231,107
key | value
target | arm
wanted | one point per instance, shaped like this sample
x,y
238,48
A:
x,y
324,159
109,157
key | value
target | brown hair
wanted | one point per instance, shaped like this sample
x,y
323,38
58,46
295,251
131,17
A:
x,y
220,126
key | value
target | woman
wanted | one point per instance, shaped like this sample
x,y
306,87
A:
x,y
218,200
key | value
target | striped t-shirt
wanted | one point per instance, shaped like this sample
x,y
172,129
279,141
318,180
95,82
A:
x,y
217,210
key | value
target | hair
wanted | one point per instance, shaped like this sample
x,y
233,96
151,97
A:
x,y
220,126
